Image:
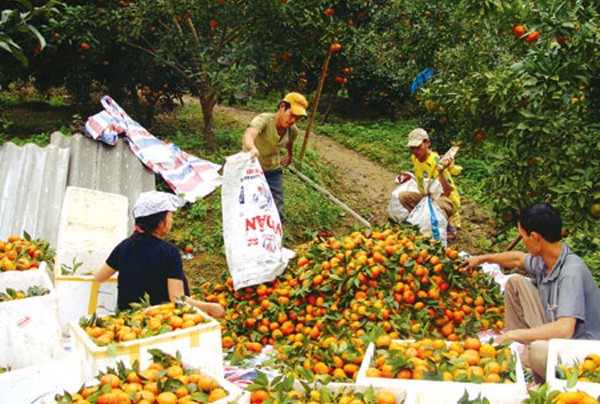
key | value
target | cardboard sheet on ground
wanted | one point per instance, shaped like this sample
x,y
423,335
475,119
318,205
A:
x,y
252,229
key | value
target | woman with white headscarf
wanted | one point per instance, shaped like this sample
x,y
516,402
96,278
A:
x,y
146,263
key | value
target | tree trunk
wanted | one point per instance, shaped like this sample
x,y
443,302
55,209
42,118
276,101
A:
x,y
208,102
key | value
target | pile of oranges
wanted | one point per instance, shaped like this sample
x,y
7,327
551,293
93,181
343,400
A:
x,y
164,381
468,360
129,325
22,253
339,294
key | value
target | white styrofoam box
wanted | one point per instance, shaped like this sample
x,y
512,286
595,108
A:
x,y
200,346
21,280
568,352
12,275
432,391
91,224
80,296
28,384
32,324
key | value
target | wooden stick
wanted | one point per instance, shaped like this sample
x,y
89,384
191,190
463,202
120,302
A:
x,y
330,196
313,111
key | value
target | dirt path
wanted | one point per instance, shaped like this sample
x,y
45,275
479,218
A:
x,y
366,188
358,182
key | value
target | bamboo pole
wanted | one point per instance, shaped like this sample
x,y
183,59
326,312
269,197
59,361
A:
x,y
330,196
316,102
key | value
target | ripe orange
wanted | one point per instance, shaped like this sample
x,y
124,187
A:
x,y
174,371
487,351
206,383
492,368
471,355
217,394
492,378
227,342
472,343
321,368
385,397
110,379
339,373
372,372
383,340
258,396
166,397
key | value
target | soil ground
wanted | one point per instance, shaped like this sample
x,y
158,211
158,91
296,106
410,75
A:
x,y
366,187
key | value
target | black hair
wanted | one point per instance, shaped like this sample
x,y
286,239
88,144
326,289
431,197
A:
x,y
543,219
147,224
286,104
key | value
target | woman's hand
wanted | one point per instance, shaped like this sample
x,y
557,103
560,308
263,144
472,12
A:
x,y
214,310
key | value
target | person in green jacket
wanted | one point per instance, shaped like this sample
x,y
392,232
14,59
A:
x,y
268,133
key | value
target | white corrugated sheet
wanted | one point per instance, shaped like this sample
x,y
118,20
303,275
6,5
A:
x,y
32,186
33,180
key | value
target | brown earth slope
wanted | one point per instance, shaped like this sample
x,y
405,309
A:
x,y
366,187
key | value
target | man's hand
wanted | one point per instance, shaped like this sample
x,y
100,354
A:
x,y
214,310
474,261
254,153
444,163
502,338
286,160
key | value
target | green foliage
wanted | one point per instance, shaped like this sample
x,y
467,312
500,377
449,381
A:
x,y
532,100
18,27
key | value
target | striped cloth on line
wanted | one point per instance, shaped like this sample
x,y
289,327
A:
x,y
190,177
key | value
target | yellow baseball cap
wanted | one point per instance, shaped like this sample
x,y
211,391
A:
x,y
297,102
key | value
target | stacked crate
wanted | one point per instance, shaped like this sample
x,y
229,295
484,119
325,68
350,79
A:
x,y
92,223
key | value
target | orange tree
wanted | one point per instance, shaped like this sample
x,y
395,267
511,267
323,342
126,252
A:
x,y
20,39
400,40
211,49
523,90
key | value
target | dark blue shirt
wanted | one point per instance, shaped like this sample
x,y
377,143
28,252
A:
x,y
144,263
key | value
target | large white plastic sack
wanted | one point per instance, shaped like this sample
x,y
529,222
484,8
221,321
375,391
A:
x,y
395,209
252,228
430,219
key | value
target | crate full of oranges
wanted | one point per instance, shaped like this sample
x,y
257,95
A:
x,y
128,336
443,371
574,365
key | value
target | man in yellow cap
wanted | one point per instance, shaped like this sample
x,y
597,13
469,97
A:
x,y
268,133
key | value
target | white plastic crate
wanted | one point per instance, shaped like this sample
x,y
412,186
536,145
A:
x,y
441,392
28,384
568,352
199,346
81,295
31,326
92,223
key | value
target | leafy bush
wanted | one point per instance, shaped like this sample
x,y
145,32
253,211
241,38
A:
x,y
532,100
